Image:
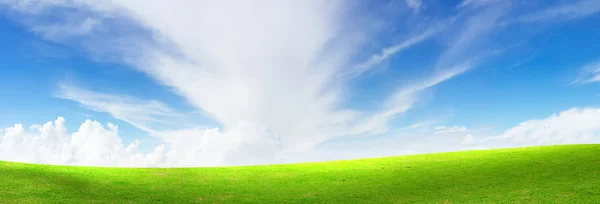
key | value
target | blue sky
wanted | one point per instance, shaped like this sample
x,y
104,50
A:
x,y
292,81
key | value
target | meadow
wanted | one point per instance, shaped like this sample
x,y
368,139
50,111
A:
x,y
549,174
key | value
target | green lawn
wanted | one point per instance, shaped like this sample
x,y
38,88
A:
x,y
553,174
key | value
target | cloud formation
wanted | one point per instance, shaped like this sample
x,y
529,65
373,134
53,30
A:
x,y
452,129
92,144
271,87
266,71
143,114
415,5
565,11
475,3
280,74
468,140
247,72
387,52
576,125
590,73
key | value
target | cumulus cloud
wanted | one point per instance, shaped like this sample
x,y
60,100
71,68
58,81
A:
x,y
247,143
576,125
101,145
92,144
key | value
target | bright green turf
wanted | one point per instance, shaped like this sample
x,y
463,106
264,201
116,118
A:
x,y
554,174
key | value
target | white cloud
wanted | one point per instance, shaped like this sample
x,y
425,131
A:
x,y
571,126
590,73
475,3
452,129
415,5
248,71
457,59
387,52
146,115
98,145
92,144
58,31
247,143
472,38
566,11
419,125
468,140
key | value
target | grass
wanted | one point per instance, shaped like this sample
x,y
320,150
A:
x,y
551,174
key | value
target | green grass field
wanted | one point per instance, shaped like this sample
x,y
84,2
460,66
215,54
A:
x,y
552,174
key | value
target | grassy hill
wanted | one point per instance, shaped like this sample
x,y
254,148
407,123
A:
x,y
552,174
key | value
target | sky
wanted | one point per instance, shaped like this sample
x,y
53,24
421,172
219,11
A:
x,y
216,83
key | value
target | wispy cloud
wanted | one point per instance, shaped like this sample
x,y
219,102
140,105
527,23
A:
x,y
253,73
419,125
59,31
590,73
457,59
415,5
452,129
564,11
387,52
143,114
475,3
473,36
403,99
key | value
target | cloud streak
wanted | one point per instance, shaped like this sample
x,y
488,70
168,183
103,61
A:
x,y
387,52
143,114
565,11
453,129
590,73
